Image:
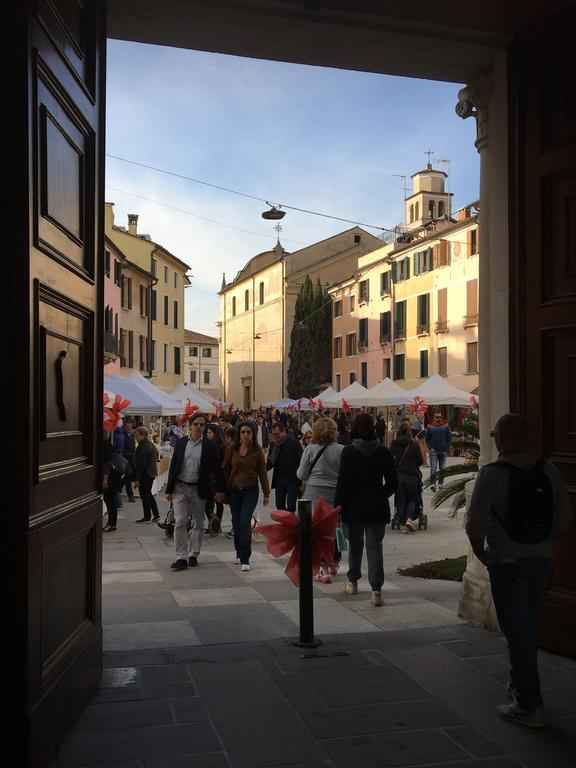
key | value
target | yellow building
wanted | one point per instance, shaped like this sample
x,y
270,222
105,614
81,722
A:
x,y
257,311
165,300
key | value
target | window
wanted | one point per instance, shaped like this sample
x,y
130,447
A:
x,y
246,300
108,315
193,351
350,344
423,314
384,327
175,314
166,318
154,267
386,368
442,321
472,357
411,213
364,374
153,355
401,270
443,361
165,358
431,208
351,377
142,352
143,301
338,347
192,377
233,306
473,242
175,279
118,273
423,261
338,308
126,291
443,254
399,372
384,283
177,360
416,210
471,317
363,332
352,303
400,319
206,377
206,351
166,275
337,382
363,291
357,238
261,293
440,208
123,347
107,263
154,298
130,349
423,363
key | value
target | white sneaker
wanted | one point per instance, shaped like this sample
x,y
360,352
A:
x,y
376,599
515,714
245,567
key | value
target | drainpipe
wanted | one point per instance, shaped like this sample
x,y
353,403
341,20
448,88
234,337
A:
x,y
253,344
153,281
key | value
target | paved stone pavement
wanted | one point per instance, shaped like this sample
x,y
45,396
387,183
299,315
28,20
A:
x,y
200,671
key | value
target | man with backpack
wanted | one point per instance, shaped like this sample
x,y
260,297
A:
x,y
519,504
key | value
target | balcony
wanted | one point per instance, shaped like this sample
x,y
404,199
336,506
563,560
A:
x,y
470,320
441,326
111,347
422,329
399,334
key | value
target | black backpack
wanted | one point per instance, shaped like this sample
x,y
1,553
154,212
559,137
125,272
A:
x,y
530,503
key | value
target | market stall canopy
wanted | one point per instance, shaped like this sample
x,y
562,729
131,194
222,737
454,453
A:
x,y
437,391
354,395
185,392
284,402
141,402
386,392
328,393
167,401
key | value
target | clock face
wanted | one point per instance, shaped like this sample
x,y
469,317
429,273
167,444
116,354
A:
x,y
457,249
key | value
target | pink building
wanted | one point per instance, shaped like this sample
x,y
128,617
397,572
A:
x,y
344,334
113,260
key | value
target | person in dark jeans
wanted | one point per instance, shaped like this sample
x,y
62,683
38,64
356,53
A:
x,y
366,480
284,460
407,460
438,439
111,484
145,470
128,453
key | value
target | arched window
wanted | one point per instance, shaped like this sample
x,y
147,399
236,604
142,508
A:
x,y
431,208
417,211
440,208
411,213
233,305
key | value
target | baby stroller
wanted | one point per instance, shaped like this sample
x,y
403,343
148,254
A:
x,y
419,514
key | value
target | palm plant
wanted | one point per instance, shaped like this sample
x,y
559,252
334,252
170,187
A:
x,y
454,491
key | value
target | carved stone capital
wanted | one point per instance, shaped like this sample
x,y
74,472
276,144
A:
x,y
473,102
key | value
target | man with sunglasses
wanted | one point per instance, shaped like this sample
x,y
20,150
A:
x,y
194,476
517,549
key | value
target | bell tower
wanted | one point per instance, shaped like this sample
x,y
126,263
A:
x,y
429,200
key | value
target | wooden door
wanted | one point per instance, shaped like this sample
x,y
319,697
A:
x,y
51,559
543,277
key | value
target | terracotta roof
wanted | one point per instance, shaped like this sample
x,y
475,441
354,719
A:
x,y
193,337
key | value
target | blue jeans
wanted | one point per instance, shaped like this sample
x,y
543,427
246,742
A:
x,y
286,493
374,553
516,588
437,462
242,505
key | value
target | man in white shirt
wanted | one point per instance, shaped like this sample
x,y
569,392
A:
x,y
519,571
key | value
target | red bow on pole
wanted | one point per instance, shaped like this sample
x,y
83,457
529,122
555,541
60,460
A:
x,y
320,405
313,404
475,402
419,406
299,404
345,406
112,415
284,538
189,411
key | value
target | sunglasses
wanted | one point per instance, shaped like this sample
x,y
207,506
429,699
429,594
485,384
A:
x,y
199,424
493,434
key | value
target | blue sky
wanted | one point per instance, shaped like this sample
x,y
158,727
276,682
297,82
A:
x,y
323,139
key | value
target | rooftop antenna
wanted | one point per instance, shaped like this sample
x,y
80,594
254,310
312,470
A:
x,y
278,228
445,160
403,177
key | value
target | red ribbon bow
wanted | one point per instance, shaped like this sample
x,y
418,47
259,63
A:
x,y
188,411
345,406
474,400
320,405
284,538
313,404
419,406
112,415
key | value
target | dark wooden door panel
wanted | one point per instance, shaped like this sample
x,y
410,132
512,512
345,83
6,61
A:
x,y
543,278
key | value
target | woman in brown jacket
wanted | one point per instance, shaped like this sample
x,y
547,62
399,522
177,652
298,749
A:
x,y
244,466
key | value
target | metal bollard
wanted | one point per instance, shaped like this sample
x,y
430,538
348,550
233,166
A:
x,y
306,592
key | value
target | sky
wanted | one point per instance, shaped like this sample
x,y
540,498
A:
x,y
326,140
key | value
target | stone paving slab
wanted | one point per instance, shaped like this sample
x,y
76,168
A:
x,y
330,617
161,634
194,598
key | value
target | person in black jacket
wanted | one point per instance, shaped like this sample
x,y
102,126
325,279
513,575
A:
x,y
195,475
366,480
111,483
284,459
145,470
129,453
407,460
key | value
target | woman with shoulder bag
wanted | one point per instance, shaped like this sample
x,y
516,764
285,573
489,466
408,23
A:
x,y
407,460
318,471
112,481
244,466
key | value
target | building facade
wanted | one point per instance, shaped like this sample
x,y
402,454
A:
x,y
164,303
257,311
201,362
114,262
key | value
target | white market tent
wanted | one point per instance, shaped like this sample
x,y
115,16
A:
x,y
284,402
353,395
167,401
327,394
185,392
141,402
385,393
436,391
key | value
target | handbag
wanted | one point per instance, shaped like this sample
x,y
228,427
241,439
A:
x,y
167,524
341,542
119,463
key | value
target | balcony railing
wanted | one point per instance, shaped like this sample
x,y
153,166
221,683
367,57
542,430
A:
x,y
441,326
111,346
422,329
399,334
470,320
